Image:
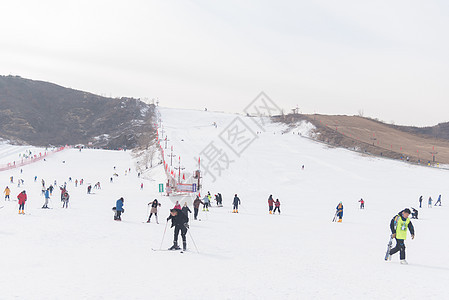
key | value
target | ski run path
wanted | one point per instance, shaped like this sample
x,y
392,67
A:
x,y
82,253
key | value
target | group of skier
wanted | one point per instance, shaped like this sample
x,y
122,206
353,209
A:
x,y
276,204
429,202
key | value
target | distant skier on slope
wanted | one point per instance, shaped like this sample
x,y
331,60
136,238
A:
x,y
7,192
22,197
438,201
119,209
65,200
154,206
270,204
340,212
47,197
414,213
179,221
362,203
398,227
236,203
430,203
186,210
177,205
206,203
420,202
220,201
277,207
196,207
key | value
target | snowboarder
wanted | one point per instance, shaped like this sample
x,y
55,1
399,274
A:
x,y
179,221
196,207
119,209
270,204
362,203
420,202
186,210
398,227
47,197
7,192
177,205
438,201
236,203
277,207
206,203
154,205
430,203
340,212
65,200
22,197
414,213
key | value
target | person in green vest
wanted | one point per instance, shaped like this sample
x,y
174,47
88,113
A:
x,y
398,226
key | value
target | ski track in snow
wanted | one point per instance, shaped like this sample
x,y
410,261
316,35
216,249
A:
x,y
82,253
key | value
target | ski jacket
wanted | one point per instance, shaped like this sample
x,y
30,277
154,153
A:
x,y
119,205
177,206
186,210
47,194
179,220
22,198
154,206
399,225
197,202
339,207
236,200
65,197
270,201
277,203
7,192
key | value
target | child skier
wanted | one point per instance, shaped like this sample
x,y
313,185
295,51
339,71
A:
x,y
277,207
154,205
22,197
362,203
236,203
270,204
340,212
179,221
398,227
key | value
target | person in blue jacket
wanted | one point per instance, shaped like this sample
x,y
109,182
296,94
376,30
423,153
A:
x,y
119,209
340,212
47,197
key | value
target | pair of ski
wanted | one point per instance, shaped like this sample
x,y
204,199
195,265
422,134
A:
x,y
389,246
182,251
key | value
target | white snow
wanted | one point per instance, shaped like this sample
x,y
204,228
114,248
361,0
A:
x,y
82,253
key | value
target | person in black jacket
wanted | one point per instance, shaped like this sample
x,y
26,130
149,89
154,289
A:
x,y
236,203
398,226
186,210
179,221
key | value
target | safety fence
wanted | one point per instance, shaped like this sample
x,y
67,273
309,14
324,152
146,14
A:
x,y
30,160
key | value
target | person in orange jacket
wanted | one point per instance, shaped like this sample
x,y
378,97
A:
x,y
7,192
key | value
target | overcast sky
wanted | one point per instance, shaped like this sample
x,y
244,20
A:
x,y
387,58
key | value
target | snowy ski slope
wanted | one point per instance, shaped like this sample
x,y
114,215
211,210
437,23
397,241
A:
x,y
81,253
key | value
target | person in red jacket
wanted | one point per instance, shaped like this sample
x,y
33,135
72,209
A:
x,y
270,204
277,205
22,197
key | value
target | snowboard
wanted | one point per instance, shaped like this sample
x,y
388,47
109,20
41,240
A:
x,y
390,243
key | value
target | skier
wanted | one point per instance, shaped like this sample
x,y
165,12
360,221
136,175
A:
x,y
438,201
141,186
340,212
210,198
51,189
430,203
270,204
47,197
362,203
177,205
220,200
154,205
236,203
89,188
65,200
420,202
217,199
119,209
414,213
206,203
196,206
186,210
7,192
398,227
76,182
277,207
22,197
63,190
179,221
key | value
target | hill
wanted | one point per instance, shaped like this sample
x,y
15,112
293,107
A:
x,y
41,113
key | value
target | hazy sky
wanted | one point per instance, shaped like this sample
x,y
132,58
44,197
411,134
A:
x,y
387,58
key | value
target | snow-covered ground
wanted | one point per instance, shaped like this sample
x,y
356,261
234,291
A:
x,y
82,253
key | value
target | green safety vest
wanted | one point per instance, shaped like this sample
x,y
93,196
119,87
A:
x,y
401,228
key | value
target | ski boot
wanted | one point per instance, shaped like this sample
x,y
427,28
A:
x,y
175,246
404,262
184,246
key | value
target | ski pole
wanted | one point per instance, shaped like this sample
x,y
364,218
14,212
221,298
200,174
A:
x,y
335,216
194,242
163,236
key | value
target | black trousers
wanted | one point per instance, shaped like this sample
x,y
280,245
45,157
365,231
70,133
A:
x,y
400,247
278,208
195,212
183,233
117,215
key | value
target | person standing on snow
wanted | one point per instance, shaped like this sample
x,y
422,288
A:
x,y
206,203
177,205
362,203
196,206
438,201
22,197
179,221
154,205
119,209
7,192
47,197
430,203
186,210
277,207
420,201
220,203
236,203
270,204
65,200
340,212
398,227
